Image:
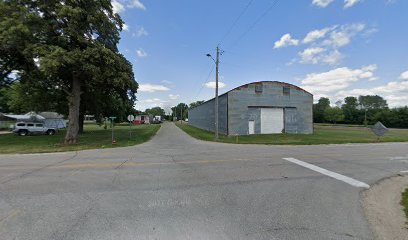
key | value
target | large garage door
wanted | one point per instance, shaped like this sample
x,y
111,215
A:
x,y
271,120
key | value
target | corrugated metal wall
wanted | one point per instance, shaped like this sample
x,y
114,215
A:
x,y
202,116
243,104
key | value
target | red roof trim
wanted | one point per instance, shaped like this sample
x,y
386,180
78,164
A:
x,y
281,83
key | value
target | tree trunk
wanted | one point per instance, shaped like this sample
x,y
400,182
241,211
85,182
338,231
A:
x,y
74,100
81,123
81,118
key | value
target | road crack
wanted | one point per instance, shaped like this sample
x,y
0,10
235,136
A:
x,y
39,169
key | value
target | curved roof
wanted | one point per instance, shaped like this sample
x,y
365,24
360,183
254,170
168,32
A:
x,y
281,83
246,85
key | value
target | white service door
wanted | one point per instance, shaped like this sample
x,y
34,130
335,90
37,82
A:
x,y
251,127
271,120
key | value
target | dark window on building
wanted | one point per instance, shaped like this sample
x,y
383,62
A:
x,y
286,90
258,88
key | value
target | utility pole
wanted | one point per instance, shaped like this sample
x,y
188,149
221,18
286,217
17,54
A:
x,y
216,61
181,114
365,117
216,93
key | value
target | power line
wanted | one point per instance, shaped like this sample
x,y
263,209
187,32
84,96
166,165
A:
x,y
229,31
206,80
236,21
256,22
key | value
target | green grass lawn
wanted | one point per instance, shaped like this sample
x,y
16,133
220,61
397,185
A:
x,y
322,135
93,137
404,202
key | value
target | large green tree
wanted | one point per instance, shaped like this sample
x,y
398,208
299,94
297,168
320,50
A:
x,y
69,45
4,100
180,111
372,102
319,108
156,111
333,114
25,97
195,104
351,111
370,105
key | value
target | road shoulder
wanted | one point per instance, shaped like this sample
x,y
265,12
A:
x,y
383,209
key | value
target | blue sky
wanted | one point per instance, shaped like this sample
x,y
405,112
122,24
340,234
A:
x,y
332,48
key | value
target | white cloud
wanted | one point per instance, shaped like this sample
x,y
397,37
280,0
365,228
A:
x,y
369,32
325,3
174,97
141,53
342,36
319,55
336,79
152,88
337,84
286,40
333,57
404,75
137,4
212,85
311,55
322,3
152,100
140,32
394,92
166,82
325,44
338,39
150,103
350,3
317,34
117,7
125,27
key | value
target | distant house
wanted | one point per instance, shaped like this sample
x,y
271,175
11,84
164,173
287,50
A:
x,y
50,119
143,119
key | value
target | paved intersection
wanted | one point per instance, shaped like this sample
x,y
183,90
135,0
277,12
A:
x,y
176,187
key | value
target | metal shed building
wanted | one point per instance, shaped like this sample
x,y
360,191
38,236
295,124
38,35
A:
x,y
258,108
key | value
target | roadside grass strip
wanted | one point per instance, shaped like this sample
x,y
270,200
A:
x,y
94,137
321,135
331,174
404,202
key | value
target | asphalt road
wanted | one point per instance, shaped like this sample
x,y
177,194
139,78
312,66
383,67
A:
x,y
176,187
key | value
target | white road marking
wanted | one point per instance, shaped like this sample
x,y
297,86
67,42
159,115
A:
x,y
400,158
326,172
406,171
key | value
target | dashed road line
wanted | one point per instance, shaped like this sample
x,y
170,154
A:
x,y
326,172
145,164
